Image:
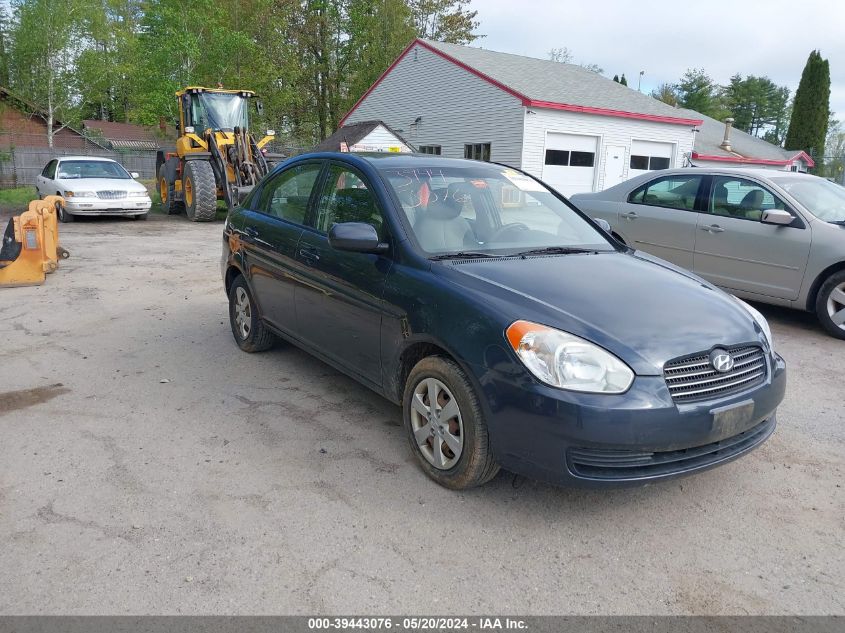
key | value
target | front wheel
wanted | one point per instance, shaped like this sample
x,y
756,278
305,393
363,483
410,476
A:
x,y
167,192
445,425
200,191
63,214
249,330
830,304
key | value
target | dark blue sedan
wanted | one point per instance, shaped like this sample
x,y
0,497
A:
x,y
512,329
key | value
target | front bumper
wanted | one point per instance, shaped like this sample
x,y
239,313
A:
x,y
127,206
638,437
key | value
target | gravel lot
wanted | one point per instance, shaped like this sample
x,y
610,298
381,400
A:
x,y
149,466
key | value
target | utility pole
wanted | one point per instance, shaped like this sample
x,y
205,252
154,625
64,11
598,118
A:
x,y
640,80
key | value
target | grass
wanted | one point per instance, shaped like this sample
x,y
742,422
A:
x,y
19,196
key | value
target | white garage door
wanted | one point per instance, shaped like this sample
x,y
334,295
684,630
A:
x,y
649,156
569,164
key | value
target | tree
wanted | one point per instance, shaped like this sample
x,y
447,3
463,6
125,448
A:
x,y
444,20
622,80
616,78
45,41
4,46
696,91
756,104
834,162
667,93
811,108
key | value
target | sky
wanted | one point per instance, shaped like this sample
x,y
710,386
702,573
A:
x,y
665,37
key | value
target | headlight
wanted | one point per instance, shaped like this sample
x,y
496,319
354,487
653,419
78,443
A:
x,y
761,321
80,194
138,194
566,361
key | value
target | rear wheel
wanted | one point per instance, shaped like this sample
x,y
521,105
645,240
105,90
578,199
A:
x,y
445,425
200,191
167,192
830,304
249,330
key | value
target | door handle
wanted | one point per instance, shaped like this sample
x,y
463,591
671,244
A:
x,y
713,228
629,216
309,256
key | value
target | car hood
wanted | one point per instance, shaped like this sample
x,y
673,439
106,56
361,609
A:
x,y
101,184
642,309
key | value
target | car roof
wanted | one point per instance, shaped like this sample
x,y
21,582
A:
x,y
381,160
91,158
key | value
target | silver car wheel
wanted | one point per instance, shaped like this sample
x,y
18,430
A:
x,y
243,313
437,424
836,306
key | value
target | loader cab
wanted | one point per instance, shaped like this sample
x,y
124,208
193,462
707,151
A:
x,y
218,110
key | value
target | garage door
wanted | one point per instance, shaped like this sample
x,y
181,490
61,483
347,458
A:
x,y
569,164
649,156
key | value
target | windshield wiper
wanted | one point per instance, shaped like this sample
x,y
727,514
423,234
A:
x,y
557,250
839,222
461,255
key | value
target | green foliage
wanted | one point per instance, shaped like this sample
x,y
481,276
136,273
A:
x,y
811,109
622,80
667,93
616,78
698,92
123,60
17,196
757,104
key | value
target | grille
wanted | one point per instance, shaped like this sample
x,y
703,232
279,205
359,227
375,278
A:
x,y
111,195
633,465
693,378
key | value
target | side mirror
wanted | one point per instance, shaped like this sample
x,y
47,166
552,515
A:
x,y
776,216
604,224
357,237
135,174
259,107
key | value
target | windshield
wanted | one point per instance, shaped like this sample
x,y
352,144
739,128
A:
x,y
487,210
71,169
822,198
219,111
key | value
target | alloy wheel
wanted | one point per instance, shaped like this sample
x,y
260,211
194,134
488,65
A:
x,y
243,313
437,424
836,306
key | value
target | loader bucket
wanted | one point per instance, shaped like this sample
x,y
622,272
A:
x,y
30,247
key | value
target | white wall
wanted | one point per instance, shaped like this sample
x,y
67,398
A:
x,y
380,140
456,108
610,130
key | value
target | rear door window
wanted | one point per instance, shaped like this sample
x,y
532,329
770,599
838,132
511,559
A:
x,y
671,192
286,196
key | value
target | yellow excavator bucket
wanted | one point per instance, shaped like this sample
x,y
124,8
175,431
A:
x,y
30,245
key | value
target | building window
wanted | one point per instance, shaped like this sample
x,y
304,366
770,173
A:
x,y
557,157
566,158
429,149
649,163
477,151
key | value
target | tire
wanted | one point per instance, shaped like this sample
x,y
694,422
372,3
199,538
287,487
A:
x,y
140,216
167,192
200,191
64,216
474,465
249,330
830,305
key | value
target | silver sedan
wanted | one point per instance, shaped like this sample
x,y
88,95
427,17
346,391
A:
x,y
770,236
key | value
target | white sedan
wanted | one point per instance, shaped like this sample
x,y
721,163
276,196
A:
x,y
93,186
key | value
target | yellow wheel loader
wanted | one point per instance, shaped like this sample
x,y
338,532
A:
x,y
216,157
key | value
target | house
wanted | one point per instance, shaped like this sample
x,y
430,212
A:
x,y
23,125
365,136
122,136
720,145
571,127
